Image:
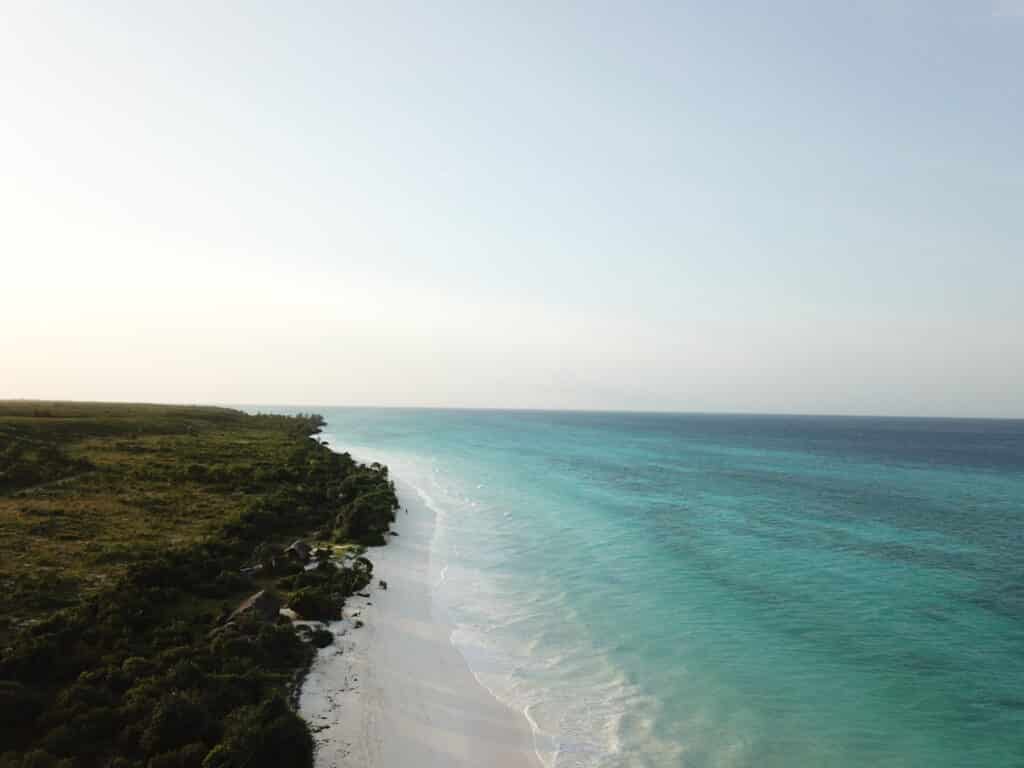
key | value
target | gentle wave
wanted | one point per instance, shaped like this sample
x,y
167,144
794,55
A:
x,y
728,592
520,646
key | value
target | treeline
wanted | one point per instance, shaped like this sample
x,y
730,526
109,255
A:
x,y
156,672
67,422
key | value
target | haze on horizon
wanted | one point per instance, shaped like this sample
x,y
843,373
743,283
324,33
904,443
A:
x,y
643,206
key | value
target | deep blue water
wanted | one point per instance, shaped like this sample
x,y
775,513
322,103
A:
x,y
704,590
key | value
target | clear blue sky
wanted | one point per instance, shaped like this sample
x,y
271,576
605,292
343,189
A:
x,y
794,207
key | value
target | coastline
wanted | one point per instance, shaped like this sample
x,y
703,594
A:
x,y
396,691
173,605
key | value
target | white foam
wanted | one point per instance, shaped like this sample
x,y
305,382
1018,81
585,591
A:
x,y
569,692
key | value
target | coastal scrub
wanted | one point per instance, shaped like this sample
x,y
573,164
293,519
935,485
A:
x,y
143,555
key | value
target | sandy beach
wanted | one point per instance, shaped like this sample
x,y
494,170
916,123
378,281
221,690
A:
x,y
395,691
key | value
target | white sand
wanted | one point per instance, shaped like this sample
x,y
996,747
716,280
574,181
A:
x,y
395,692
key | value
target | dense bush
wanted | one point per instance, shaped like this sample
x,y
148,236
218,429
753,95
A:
x,y
267,735
150,674
320,637
316,604
370,504
319,594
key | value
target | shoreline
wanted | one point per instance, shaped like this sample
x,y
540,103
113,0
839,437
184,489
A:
x,y
182,616
395,691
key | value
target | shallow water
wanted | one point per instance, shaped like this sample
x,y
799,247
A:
x,y
656,590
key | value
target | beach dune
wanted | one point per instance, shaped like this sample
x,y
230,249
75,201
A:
x,y
395,691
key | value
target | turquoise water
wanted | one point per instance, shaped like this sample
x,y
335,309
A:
x,y
691,590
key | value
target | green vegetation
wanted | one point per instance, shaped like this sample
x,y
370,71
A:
x,y
128,536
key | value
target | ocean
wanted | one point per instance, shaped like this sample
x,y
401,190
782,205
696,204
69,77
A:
x,y
714,590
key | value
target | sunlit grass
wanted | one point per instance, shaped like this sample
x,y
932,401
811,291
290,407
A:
x,y
156,477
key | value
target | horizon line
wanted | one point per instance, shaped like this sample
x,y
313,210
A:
x,y
510,409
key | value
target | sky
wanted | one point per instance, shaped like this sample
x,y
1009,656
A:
x,y
795,207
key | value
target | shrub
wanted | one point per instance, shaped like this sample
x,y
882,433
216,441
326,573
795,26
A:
x,y
367,518
265,736
177,720
19,705
39,758
316,604
320,637
189,756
